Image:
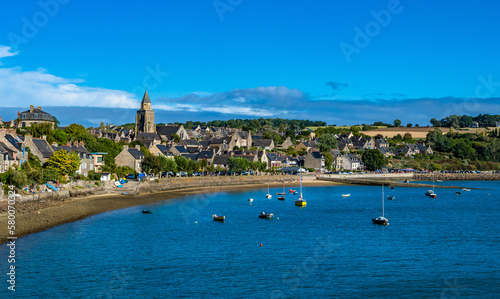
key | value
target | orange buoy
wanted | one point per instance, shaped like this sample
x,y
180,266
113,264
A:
x,y
260,244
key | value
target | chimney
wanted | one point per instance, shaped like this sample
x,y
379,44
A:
x,y
14,155
32,108
0,118
68,143
54,143
75,143
44,137
81,144
125,147
138,147
39,108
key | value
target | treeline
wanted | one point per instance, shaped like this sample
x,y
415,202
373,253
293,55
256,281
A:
x,y
256,124
457,121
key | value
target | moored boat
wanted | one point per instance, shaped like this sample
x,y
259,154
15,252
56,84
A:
x,y
457,193
346,195
381,219
268,195
265,215
292,191
465,190
147,212
218,218
300,202
391,197
250,200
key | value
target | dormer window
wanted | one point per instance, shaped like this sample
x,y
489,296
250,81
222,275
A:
x,y
24,115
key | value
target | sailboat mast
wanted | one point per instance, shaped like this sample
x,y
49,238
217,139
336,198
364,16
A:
x,y
382,200
300,182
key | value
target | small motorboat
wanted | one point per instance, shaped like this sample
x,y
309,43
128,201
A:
x,y
218,218
465,190
281,198
250,200
346,195
433,195
291,191
391,197
265,215
380,220
392,187
269,196
457,193
124,193
439,181
429,192
280,193
147,212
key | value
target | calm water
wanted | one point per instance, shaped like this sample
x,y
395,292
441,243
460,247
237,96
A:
x,y
447,247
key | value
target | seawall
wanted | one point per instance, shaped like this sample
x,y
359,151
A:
x,y
486,176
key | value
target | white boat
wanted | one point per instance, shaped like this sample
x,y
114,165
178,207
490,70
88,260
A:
x,y
465,189
301,202
381,219
430,193
391,197
250,200
268,195
346,195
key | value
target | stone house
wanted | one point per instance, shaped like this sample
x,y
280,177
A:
x,y
287,143
381,143
166,132
38,147
34,116
131,157
314,160
86,158
267,144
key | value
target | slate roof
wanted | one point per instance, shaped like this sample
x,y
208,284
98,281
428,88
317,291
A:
x,y
205,143
148,136
43,147
193,157
317,155
14,140
248,157
6,151
40,115
191,142
145,98
207,154
262,142
181,149
221,159
220,140
137,154
167,131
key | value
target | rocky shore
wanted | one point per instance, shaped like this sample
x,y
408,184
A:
x,y
42,211
486,176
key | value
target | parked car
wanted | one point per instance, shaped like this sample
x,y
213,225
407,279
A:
x,y
131,176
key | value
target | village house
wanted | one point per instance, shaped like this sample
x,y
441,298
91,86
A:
x,y
130,157
98,160
166,132
382,142
38,147
220,161
267,144
86,159
287,143
315,160
34,116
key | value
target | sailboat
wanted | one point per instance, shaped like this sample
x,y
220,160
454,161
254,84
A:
x,y
433,194
381,219
268,195
301,202
283,196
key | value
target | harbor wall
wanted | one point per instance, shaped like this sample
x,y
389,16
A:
x,y
484,176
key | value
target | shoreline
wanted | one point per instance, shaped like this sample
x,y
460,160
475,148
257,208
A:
x,y
37,216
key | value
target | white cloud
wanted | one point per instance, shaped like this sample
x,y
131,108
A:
x,y
6,52
20,88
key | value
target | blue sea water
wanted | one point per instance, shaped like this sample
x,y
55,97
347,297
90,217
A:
x,y
447,247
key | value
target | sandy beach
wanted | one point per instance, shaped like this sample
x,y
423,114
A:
x,y
36,216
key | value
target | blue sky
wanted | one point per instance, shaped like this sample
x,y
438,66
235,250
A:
x,y
343,62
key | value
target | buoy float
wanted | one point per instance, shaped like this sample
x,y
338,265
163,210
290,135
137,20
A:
x,y
260,244
196,222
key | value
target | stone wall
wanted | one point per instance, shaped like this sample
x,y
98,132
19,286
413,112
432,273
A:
x,y
182,183
484,176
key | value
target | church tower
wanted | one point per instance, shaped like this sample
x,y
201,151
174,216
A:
x,y
145,118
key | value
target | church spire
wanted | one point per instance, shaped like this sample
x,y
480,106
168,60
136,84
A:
x,y
145,98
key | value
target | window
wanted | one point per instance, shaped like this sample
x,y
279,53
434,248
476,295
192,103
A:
x,y
99,159
35,116
24,115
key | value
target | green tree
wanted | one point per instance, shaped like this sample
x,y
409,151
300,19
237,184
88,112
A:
x,y
63,163
328,160
463,149
182,163
238,164
176,138
373,159
409,125
327,142
397,123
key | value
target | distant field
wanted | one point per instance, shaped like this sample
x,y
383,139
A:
x,y
415,132
341,127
